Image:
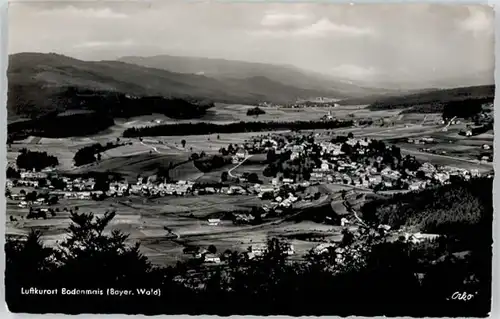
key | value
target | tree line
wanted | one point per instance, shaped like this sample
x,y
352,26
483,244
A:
x,y
103,108
54,126
33,160
467,108
90,154
256,111
435,97
210,128
125,106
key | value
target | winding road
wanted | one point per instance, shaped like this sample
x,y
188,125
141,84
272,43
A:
x,y
154,148
230,172
350,209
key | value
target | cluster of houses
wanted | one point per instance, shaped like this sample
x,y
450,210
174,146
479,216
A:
x,y
239,156
356,250
336,167
259,250
30,178
149,188
211,257
421,141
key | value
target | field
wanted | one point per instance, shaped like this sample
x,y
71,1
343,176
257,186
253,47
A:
x,y
459,150
258,169
227,113
131,166
186,217
64,148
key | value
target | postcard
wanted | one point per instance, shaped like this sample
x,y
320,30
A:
x,y
244,158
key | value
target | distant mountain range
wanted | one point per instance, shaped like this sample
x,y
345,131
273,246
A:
x,y
231,70
40,83
436,97
480,78
37,82
456,101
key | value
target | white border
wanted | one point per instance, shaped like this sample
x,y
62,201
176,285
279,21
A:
x,y
4,313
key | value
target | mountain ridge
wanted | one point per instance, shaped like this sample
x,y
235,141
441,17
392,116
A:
x,y
224,69
37,80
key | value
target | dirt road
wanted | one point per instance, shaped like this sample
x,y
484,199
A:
x,y
230,172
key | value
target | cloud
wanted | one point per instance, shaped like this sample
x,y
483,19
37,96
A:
x,y
325,27
100,44
354,72
272,19
319,29
477,21
87,13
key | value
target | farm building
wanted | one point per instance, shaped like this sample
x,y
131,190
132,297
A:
x,y
323,248
214,222
211,258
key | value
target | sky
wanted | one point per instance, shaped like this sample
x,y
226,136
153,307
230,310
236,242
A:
x,y
358,42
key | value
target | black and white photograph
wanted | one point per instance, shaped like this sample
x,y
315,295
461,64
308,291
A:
x,y
249,158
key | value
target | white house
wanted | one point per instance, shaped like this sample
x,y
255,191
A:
x,y
344,222
240,154
364,143
384,227
375,179
214,222
416,186
428,168
266,189
259,249
211,258
323,248
294,155
235,190
17,196
441,177
33,175
84,195
474,172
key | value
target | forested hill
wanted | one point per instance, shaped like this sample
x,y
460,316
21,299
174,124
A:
x,y
370,99
435,100
460,208
43,83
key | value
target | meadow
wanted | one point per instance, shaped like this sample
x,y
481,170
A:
x,y
186,217
147,221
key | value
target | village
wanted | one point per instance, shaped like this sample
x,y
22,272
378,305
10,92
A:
x,y
358,162
295,162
